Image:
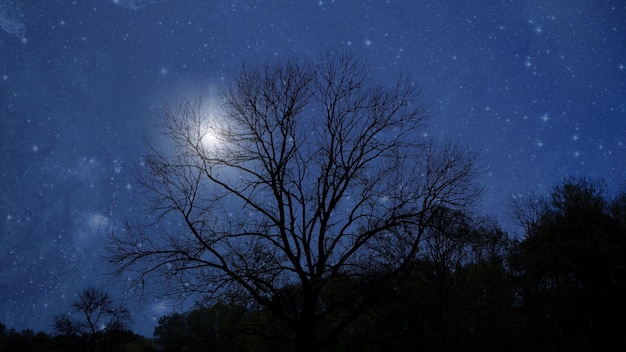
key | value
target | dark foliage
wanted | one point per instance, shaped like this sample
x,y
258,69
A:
x,y
559,288
114,340
571,272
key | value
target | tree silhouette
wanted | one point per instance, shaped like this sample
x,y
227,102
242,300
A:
x,y
313,174
93,315
571,267
98,310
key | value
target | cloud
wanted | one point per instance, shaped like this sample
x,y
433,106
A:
x,y
97,223
134,4
10,20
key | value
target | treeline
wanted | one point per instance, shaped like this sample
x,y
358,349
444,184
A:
x,y
560,287
112,340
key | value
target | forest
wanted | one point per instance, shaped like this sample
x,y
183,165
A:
x,y
559,287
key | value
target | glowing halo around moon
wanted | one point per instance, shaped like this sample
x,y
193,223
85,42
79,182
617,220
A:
x,y
211,137
211,127
200,107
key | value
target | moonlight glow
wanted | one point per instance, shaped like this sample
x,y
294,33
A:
x,y
211,138
210,130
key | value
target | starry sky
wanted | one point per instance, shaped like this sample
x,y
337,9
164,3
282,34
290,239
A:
x,y
538,86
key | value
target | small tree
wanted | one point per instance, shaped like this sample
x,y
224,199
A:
x,y
93,314
308,173
98,310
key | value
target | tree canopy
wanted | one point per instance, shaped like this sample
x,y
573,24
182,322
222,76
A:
x,y
572,266
314,174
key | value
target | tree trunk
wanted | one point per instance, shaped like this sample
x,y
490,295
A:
x,y
304,339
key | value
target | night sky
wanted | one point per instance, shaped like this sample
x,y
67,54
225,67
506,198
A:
x,y
538,86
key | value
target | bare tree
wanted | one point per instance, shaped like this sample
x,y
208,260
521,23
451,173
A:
x,y
66,326
98,312
307,173
95,313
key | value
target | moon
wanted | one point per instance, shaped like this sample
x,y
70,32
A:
x,y
211,127
210,138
